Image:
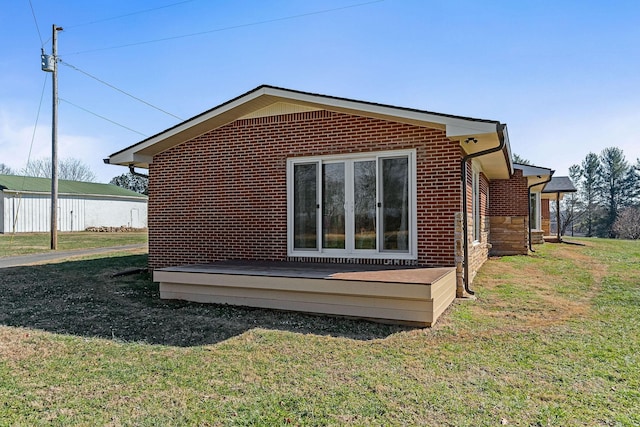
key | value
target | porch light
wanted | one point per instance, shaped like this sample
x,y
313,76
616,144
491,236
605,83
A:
x,y
471,139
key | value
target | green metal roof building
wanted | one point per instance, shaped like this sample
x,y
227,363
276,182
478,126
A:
x,y
25,205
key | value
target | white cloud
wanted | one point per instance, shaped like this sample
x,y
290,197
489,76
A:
x,y
15,145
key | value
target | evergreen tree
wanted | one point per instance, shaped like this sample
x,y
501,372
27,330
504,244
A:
x,y
520,160
616,187
589,189
634,184
132,182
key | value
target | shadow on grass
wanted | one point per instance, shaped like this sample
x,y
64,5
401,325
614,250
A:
x,y
82,298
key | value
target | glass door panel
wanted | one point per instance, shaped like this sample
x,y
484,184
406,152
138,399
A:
x,y
533,212
364,204
305,202
333,206
395,204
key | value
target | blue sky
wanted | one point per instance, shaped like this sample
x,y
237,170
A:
x,y
563,75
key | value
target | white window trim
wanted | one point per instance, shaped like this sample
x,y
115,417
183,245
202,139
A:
x,y
476,204
377,253
537,211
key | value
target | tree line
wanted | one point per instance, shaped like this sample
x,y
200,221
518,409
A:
x,y
75,170
607,203
69,168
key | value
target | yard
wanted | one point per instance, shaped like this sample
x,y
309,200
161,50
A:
x,y
553,339
31,243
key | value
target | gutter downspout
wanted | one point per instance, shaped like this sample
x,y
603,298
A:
x,y
465,221
132,169
529,205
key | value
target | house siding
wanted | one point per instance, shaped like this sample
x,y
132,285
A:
x,y
509,215
223,194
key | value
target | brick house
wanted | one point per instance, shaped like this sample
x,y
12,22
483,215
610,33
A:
x,y
286,184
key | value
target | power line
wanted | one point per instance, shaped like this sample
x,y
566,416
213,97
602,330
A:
x,y
33,13
128,14
119,90
103,118
35,126
24,177
268,21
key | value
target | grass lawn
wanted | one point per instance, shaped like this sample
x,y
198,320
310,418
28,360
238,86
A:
x,y
31,243
553,339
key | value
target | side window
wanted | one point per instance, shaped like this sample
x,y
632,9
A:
x,y
534,214
476,202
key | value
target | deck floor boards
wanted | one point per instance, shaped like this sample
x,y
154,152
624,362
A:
x,y
356,272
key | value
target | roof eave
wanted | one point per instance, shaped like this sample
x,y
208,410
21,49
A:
x,y
141,154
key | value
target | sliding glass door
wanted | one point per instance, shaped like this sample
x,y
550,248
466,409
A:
x,y
305,213
359,206
364,205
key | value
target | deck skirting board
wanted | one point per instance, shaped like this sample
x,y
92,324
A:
x,y
413,303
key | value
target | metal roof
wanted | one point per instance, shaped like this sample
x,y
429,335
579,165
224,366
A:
x,y
29,184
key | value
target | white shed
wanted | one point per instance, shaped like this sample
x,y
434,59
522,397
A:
x,y
25,205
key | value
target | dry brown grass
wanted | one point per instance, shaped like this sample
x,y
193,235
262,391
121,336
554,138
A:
x,y
537,299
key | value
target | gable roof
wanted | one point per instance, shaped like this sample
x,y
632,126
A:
x,y
270,100
35,185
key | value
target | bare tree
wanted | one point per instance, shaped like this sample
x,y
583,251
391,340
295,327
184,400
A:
x,y
571,209
627,225
5,170
69,168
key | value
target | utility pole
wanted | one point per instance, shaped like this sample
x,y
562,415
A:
x,y
50,64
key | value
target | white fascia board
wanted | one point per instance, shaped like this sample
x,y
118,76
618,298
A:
x,y
528,170
455,126
132,154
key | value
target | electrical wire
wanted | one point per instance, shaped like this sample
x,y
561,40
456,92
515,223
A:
x,y
33,138
119,90
128,14
252,24
102,117
35,126
33,13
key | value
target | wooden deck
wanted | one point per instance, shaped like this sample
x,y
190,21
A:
x,y
406,295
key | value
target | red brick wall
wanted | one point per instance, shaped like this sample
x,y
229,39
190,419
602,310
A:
x,y
509,197
545,210
223,195
509,215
